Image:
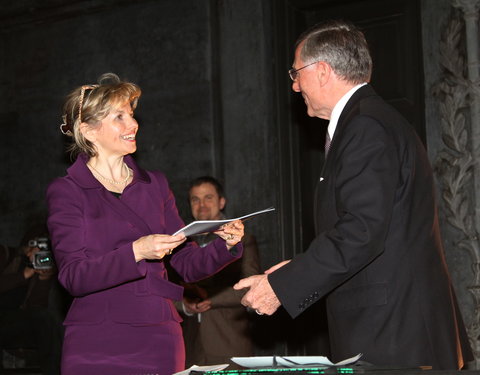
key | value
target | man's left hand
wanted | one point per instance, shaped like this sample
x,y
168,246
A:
x,y
261,296
196,307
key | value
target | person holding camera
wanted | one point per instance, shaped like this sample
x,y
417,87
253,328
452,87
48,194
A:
x,y
111,224
26,321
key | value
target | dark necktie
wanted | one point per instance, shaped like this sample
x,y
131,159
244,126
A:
x,y
327,143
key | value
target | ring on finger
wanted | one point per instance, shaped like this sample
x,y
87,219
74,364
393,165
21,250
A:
x,y
258,312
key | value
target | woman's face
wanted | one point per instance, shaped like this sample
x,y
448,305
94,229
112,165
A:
x,y
116,134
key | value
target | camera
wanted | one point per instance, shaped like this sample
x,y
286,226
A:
x,y
43,259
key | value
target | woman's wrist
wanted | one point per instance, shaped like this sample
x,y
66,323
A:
x,y
136,251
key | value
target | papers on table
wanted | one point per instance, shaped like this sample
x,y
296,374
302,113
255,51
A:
x,y
202,368
275,361
204,226
289,361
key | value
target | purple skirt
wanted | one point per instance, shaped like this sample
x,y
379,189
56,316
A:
x,y
122,349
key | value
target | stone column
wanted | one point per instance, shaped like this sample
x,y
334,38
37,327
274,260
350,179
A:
x,y
457,163
470,10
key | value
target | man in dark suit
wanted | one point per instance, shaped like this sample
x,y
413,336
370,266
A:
x,y
377,255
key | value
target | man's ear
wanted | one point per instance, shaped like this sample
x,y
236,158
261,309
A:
x,y
222,202
324,72
87,132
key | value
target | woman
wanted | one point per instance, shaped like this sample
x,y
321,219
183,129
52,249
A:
x,y
109,222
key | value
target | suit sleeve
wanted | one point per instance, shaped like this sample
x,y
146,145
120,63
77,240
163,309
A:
x,y
362,183
250,265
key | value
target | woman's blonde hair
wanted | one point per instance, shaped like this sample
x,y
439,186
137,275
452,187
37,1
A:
x,y
90,104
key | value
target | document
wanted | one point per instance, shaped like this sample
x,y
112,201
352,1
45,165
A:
x,y
205,226
289,361
202,369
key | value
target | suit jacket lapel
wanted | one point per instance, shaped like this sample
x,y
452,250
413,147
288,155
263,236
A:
x,y
80,173
350,109
347,114
125,211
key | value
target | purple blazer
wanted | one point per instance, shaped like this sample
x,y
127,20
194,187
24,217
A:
x,y
92,233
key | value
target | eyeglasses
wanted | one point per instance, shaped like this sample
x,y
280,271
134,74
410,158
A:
x,y
293,73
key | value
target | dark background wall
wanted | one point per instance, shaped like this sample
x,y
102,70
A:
x,y
216,100
204,108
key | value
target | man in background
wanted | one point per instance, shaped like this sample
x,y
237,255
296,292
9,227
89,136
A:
x,y
216,326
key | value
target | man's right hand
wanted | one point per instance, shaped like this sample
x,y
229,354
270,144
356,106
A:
x,y
196,307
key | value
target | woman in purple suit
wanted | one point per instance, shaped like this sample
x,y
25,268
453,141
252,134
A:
x,y
110,223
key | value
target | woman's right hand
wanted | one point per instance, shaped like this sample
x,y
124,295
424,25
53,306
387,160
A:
x,y
156,246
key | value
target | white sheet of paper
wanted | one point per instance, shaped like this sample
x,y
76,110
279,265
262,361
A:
x,y
202,368
204,226
289,361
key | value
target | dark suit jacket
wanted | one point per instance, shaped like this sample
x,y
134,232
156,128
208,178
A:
x,y
377,255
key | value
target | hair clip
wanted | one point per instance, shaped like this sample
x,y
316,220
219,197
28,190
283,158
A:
x,y
82,95
64,128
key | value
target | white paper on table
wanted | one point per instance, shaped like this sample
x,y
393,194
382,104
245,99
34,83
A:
x,y
289,361
202,368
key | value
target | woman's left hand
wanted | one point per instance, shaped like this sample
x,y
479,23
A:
x,y
232,233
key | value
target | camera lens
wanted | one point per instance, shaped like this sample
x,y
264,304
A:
x,y
43,260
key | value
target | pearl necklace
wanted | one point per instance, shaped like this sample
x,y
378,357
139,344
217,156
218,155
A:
x,y
124,182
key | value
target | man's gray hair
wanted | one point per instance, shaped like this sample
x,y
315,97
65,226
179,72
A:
x,y
342,46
